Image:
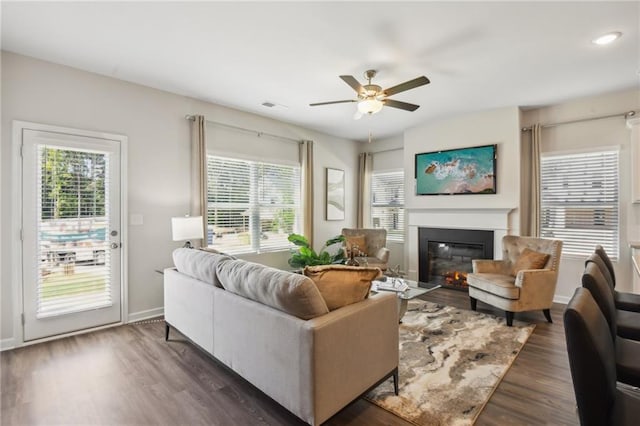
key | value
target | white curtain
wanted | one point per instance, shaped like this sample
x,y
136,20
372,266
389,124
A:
x,y
306,166
534,202
199,171
365,165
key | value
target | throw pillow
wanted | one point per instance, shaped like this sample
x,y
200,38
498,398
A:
x,y
530,259
342,285
292,293
356,240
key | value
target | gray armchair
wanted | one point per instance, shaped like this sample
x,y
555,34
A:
x,y
369,244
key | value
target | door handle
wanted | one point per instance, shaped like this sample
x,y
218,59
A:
x,y
115,245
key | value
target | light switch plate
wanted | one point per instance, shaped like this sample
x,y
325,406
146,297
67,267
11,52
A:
x,y
135,219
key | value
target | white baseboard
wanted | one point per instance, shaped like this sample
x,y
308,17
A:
x,y
6,344
561,299
144,315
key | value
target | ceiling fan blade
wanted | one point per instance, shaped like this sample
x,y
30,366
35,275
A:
x,y
333,102
411,84
401,105
351,81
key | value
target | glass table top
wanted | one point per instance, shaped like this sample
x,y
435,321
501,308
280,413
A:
x,y
415,289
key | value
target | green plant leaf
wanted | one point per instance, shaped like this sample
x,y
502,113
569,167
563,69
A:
x,y
298,240
325,258
334,240
308,252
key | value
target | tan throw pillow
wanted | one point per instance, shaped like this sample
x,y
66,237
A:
x,y
342,285
356,240
529,259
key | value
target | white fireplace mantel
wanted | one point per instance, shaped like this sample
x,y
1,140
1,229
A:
x,y
491,219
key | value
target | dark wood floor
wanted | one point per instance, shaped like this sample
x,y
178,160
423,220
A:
x,y
130,375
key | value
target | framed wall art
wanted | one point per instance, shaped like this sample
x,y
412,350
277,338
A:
x,y
457,171
335,194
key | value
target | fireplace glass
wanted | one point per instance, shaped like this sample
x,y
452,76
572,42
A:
x,y
445,255
449,263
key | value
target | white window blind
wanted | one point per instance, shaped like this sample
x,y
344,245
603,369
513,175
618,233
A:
x,y
387,203
252,206
579,201
73,248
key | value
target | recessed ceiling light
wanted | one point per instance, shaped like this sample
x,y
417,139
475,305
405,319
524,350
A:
x,y
607,38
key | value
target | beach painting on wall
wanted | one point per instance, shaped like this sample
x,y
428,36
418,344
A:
x,y
335,194
457,171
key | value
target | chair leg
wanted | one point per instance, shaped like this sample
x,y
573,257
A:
x,y
547,314
395,381
166,331
474,303
509,316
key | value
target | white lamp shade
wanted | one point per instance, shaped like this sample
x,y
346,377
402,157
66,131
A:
x,y
186,228
369,106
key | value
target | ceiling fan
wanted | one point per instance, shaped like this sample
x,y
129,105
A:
x,y
371,97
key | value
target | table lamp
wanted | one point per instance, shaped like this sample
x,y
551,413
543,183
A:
x,y
187,228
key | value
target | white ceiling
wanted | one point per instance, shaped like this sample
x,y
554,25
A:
x,y
478,55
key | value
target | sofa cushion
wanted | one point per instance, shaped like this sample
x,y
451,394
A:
x,y
198,264
214,251
498,284
530,259
356,240
342,285
292,293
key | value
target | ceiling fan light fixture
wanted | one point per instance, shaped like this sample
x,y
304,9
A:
x,y
370,106
607,38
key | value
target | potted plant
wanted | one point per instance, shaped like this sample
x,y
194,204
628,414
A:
x,y
304,255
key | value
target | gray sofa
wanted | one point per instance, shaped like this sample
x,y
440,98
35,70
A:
x,y
274,329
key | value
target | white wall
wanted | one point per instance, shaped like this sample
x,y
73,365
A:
x,y
159,159
501,127
589,135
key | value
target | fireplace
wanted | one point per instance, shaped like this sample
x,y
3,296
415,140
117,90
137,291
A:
x,y
445,255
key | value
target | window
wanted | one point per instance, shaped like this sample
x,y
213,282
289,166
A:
x,y
387,203
252,206
579,201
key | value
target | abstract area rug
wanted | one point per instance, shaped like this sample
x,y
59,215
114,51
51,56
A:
x,y
451,361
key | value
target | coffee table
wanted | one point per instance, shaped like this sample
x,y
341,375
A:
x,y
415,289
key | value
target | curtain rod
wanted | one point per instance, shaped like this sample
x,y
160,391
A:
x,y
621,114
244,129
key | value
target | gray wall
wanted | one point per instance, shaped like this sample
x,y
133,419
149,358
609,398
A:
x,y
158,163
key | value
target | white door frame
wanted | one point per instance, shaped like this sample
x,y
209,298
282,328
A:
x,y
16,224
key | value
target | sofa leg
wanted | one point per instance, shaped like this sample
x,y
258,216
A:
x,y
166,331
474,303
547,314
395,381
509,316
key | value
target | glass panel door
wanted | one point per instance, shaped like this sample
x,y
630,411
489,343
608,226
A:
x,y
71,221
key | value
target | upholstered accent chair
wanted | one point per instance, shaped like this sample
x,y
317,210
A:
x,y
524,280
369,245
592,358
